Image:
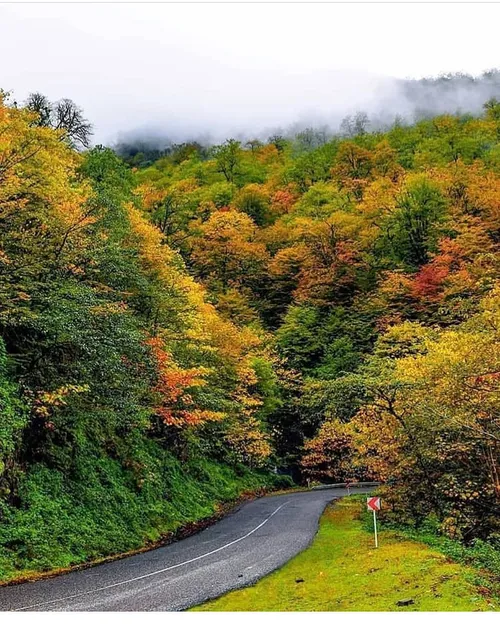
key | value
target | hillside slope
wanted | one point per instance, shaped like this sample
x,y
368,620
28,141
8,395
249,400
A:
x,y
171,332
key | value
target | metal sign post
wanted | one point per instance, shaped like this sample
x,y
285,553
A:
x,y
375,528
373,504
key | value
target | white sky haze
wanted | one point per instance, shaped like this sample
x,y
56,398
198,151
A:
x,y
222,68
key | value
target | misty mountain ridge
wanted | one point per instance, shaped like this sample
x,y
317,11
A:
x,y
336,98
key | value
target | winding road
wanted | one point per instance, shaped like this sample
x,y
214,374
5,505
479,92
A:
x,y
259,537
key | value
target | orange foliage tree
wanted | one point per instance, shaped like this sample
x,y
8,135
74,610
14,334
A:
x,y
176,404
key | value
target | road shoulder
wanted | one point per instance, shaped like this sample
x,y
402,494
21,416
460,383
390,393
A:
x,y
342,571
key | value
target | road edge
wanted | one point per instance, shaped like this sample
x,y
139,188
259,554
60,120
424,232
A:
x,y
245,585
191,528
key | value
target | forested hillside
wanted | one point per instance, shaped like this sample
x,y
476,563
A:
x,y
173,330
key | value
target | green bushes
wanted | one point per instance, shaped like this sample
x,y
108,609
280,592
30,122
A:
x,y
106,508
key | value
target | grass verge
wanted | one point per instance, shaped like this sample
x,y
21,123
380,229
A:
x,y
342,571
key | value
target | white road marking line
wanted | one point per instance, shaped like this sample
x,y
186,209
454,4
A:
x,y
139,578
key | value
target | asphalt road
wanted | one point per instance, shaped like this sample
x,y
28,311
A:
x,y
246,545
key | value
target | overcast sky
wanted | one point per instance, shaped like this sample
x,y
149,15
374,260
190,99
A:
x,y
221,68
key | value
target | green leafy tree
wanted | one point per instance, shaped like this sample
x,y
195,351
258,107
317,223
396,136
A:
x,y
412,231
228,159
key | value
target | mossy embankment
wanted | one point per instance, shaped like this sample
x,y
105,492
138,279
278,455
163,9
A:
x,y
103,512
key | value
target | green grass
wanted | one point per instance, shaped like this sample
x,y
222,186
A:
x,y
342,571
104,510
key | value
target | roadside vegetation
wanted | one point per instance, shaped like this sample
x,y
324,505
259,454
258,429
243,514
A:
x,y
342,571
63,525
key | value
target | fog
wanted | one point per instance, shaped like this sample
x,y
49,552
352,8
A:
x,y
209,71
385,101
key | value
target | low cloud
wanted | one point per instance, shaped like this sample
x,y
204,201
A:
x,y
324,101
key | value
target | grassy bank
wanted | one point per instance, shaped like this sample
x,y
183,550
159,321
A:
x,y
104,509
342,571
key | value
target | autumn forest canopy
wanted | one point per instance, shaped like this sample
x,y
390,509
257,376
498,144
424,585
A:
x,y
179,327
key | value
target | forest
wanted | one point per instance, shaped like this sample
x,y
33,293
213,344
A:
x,y
178,329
